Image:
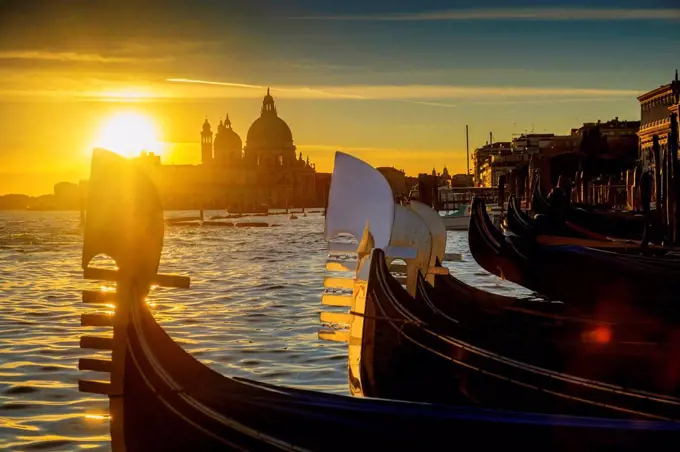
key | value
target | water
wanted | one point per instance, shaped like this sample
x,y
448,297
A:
x,y
252,311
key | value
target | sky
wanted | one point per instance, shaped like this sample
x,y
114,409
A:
x,y
393,84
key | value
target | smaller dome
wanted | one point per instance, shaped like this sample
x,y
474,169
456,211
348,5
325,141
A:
x,y
227,142
232,141
206,125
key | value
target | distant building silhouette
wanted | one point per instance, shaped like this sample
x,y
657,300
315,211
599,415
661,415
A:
x,y
397,180
597,147
264,172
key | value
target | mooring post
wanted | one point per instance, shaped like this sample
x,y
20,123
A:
x,y
658,180
672,146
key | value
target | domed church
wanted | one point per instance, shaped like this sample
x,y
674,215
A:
x,y
264,172
270,141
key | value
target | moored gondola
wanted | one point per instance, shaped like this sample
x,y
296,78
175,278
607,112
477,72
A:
x,y
603,284
407,353
548,230
525,329
625,225
518,222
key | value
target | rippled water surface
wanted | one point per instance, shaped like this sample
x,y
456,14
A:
x,y
252,311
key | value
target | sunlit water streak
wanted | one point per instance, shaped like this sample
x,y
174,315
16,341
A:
x,y
252,311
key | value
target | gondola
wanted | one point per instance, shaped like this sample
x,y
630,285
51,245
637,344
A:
x,y
520,223
623,250
448,285
161,398
607,285
548,230
405,354
625,225
550,337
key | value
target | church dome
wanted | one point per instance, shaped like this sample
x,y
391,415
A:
x,y
269,132
227,143
230,139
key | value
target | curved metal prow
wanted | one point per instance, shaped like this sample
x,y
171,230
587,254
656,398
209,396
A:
x,y
124,217
124,220
361,204
358,194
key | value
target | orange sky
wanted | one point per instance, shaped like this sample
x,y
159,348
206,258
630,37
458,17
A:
x,y
395,87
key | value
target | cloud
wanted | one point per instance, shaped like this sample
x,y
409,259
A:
x,y
148,87
43,55
208,82
547,14
421,94
302,91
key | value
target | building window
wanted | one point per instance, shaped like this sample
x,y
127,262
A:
x,y
280,160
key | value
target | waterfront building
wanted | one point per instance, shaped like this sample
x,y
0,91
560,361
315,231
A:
x,y
486,174
461,180
597,147
656,107
266,172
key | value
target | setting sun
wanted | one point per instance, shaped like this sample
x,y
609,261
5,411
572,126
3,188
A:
x,y
128,134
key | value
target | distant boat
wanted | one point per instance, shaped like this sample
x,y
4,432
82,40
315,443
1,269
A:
x,y
292,217
459,219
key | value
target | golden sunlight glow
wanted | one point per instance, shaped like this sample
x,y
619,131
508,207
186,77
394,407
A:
x,y
128,134
126,95
97,417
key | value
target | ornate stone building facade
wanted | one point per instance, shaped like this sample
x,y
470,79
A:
x,y
656,108
266,172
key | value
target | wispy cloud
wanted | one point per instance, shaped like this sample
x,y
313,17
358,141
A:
x,y
666,14
301,91
44,55
423,94
99,86
209,82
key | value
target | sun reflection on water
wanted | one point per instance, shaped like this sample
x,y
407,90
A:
x,y
97,417
252,312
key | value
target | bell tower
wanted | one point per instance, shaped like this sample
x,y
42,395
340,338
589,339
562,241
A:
x,y
206,143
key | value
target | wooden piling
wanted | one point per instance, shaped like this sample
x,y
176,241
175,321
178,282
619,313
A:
x,y
672,146
658,181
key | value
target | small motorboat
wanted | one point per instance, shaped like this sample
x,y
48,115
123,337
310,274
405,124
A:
x,y
292,217
459,219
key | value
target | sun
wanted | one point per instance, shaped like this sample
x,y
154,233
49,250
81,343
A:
x,y
128,133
